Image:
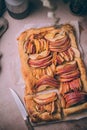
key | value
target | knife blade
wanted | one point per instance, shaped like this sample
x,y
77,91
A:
x,y
21,109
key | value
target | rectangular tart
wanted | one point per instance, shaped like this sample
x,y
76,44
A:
x,y
50,59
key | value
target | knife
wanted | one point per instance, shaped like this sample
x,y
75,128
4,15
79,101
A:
x,y
22,109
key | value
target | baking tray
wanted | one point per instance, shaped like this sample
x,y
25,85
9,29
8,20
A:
x,y
20,82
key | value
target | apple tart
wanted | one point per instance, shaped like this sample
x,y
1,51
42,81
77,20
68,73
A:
x,y
50,59
44,107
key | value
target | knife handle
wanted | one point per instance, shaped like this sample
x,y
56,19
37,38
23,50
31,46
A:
x,y
29,126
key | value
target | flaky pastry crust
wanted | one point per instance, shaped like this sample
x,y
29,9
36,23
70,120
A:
x,y
43,52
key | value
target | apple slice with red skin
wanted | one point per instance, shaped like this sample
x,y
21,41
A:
x,y
74,98
42,62
61,48
75,101
66,67
43,99
33,49
75,84
69,78
66,55
56,45
60,41
47,80
42,43
72,85
65,88
70,74
71,53
71,95
44,65
59,59
29,47
55,49
39,56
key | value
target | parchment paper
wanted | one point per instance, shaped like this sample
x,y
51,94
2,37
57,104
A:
x,y
17,76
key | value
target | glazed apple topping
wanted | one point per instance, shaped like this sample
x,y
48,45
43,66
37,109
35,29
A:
x,y
61,45
69,76
48,81
39,56
44,99
59,59
68,55
74,98
41,60
47,103
75,84
69,86
64,88
44,44
29,47
35,44
71,54
71,66
58,41
41,45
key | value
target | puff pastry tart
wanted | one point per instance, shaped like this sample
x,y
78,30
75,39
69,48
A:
x,y
50,60
44,107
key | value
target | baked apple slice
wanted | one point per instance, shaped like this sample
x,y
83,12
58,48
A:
x,y
39,56
29,47
66,67
74,98
64,88
44,99
67,55
71,53
45,82
60,46
66,77
59,59
40,60
73,85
